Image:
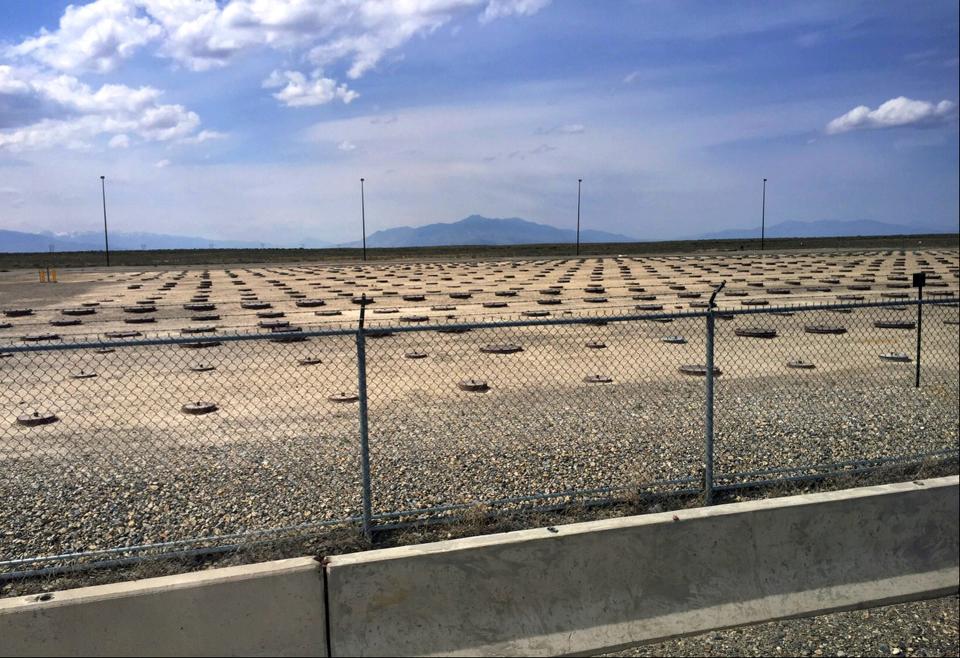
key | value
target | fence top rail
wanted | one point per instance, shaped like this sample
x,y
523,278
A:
x,y
801,308
384,326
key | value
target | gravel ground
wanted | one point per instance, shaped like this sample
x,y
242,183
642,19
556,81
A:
x,y
924,628
124,466
160,486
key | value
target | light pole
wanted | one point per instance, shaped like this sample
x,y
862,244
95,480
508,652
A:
x,y
579,181
106,239
363,221
763,215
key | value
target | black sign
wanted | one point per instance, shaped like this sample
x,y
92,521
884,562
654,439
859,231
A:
x,y
919,279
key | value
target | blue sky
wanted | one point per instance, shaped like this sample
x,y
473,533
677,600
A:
x,y
255,119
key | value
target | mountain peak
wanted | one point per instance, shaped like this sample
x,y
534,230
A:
x,y
480,230
480,219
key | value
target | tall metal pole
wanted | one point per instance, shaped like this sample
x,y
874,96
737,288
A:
x,y
763,215
579,181
106,240
363,221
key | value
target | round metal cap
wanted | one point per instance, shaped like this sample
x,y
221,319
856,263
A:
x,y
501,348
898,357
698,370
37,418
598,379
756,332
824,329
198,408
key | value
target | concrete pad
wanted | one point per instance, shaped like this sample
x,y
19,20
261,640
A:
x,y
273,608
605,585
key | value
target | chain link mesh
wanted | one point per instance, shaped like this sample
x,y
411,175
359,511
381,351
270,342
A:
x,y
591,387
503,412
124,464
815,387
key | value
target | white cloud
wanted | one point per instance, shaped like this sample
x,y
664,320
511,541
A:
x,y
72,93
76,114
48,133
205,34
501,8
201,34
298,91
347,146
631,77
166,122
900,111
204,136
11,82
92,37
161,164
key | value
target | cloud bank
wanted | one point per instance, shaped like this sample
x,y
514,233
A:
x,y
198,35
202,34
73,114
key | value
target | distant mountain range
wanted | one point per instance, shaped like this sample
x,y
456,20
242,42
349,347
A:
x,y
18,241
821,229
478,230
21,242
472,230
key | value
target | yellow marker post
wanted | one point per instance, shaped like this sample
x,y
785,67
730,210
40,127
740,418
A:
x,y
43,276
53,276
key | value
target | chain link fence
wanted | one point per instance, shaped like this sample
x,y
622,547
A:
x,y
804,391
116,449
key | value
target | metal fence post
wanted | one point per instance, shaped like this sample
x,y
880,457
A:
x,y
919,331
708,447
364,438
708,453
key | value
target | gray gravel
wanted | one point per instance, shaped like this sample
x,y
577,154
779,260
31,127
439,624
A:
x,y
426,452
925,628
124,467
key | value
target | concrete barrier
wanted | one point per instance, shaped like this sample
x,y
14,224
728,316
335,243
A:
x,y
274,608
580,588
605,585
